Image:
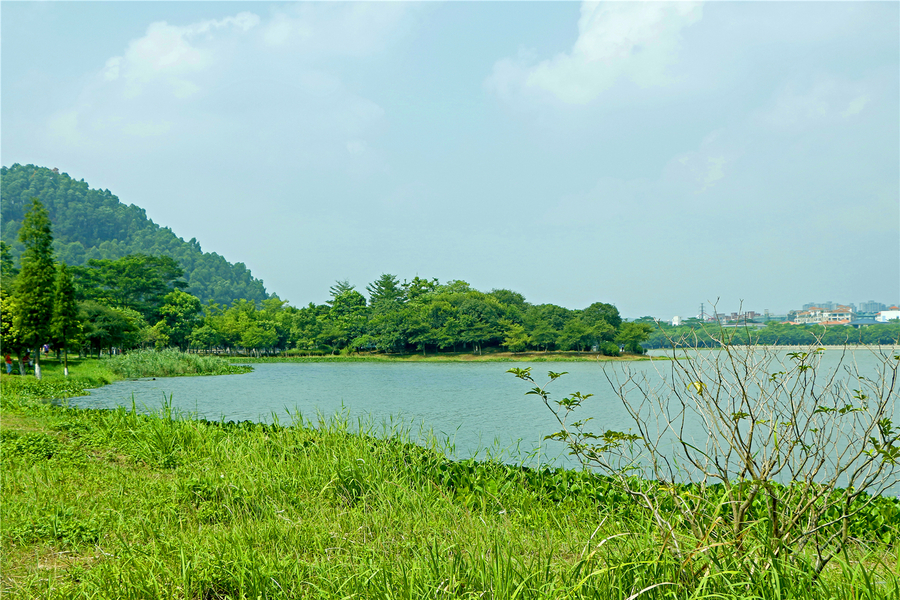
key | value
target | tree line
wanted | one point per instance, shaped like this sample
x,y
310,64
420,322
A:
x,y
140,300
771,333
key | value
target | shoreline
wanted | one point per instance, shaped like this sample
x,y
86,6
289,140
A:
x,y
508,357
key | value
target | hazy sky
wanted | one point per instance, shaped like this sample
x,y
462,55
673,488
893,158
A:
x,y
654,156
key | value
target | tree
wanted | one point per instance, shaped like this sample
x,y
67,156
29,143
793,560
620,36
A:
x,y
631,335
341,286
515,337
107,327
576,335
137,281
36,282
179,316
10,337
601,310
65,313
385,293
8,270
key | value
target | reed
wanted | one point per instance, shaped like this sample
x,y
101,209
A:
x,y
169,363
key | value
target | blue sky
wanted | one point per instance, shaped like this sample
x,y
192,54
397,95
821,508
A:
x,y
651,155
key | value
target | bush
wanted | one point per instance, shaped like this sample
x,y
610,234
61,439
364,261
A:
x,y
609,349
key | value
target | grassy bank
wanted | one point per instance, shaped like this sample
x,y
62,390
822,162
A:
x,y
449,357
117,504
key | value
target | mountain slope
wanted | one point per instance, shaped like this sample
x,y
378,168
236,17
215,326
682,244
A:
x,y
90,223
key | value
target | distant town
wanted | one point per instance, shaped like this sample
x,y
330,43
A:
x,y
812,313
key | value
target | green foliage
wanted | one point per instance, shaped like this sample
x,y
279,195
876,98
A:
x,y
65,323
59,525
169,363
36,282
93,224
137,282
8,270
36,446
106,327
632,335
386,293
179,316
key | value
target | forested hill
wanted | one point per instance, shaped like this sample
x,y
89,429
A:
x,y
90,223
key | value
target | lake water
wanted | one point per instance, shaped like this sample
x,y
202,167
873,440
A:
x,y
476,407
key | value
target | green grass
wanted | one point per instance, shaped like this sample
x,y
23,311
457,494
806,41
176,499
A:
x,y
169,363
119,504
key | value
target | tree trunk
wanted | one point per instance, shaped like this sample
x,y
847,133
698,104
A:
x,y
37,364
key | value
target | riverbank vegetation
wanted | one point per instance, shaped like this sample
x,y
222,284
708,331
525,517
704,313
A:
x,y
703,335
116,503
94,372
170,363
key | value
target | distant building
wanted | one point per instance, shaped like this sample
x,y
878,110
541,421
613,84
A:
x,y
676,321
871,307
819,315
737,317
888,315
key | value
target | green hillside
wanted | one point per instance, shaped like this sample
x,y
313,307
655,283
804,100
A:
x,y
89,223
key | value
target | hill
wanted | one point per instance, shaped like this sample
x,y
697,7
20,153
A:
x,y
89,223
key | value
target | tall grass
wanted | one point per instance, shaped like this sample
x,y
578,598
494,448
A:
x,y
169,363
120,504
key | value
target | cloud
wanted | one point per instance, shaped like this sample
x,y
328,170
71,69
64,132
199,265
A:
x,y
826,100
635,41
171,54
705,167
336,29
856,106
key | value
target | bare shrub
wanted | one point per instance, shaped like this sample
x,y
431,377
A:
x,y
790,453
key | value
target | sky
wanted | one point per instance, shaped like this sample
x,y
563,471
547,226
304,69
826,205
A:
x,y
655,156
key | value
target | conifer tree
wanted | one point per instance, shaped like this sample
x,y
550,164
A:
x,y
36,282
65,312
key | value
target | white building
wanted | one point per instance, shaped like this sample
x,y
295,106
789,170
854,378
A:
x,y
888,315
821,316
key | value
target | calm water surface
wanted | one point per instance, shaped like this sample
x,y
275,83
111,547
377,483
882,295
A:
x,y
474,406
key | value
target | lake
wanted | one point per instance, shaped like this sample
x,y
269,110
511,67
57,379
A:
x,y
475,407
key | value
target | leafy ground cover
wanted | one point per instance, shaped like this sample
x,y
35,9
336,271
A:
x,y
120,504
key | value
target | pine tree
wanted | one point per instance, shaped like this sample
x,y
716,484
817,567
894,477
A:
x,y
36,281
65,312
